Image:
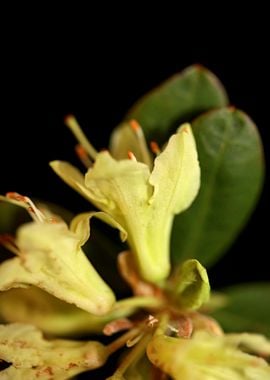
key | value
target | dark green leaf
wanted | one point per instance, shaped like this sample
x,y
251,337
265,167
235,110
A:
x,y
232,168
248,309
178,100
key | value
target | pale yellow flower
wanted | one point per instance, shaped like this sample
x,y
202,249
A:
x,y
49,256
205,357
140,200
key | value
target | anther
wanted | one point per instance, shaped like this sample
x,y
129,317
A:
x,y
117,326
83,156
147,159
155,148
26,202
131,156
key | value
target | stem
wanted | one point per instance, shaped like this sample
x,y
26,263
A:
x,y
133,356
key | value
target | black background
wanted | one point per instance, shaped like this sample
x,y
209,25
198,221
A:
x,y
97,72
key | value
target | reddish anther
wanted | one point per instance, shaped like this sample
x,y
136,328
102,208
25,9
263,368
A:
x,y
16,196
154,147
134,125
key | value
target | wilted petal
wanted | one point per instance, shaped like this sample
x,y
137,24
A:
x,y
31,356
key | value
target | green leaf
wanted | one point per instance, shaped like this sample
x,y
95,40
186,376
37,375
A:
x,y
247,309
177,100
190,286
232,168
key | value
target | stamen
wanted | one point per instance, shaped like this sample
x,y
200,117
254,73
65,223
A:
x,y
8,242
152,321
132,356
142,143
117,325
155,148
75,128
131,156
26,202
83,156
135,340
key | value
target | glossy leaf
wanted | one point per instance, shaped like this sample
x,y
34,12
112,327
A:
x,y
247,308
231,160
177,100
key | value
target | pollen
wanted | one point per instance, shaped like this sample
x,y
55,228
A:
x,y
146,155
131,156
83,156
26,202
155,147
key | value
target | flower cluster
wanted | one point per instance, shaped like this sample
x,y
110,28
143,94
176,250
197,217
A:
x,y
51,286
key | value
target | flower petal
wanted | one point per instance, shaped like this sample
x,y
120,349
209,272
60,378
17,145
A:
x,y
31,356
52,260
118,186
71,176
81,227
58,318
204,357
124,140
176,173
253,343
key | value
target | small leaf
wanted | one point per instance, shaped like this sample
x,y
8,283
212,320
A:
x,y
177,100
247,309
31,356
190,286
232,168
